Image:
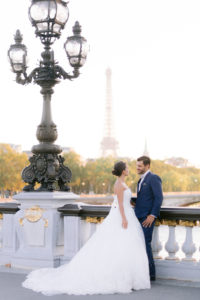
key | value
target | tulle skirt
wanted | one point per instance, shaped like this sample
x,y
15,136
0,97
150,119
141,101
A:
x,y
113,260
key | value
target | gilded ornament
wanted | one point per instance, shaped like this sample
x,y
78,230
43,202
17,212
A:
x,y
169,222
187,223
1,216
46,222
178,222
33,214
21,221
94,220
158,222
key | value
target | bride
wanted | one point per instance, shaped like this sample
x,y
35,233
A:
x,y
113,260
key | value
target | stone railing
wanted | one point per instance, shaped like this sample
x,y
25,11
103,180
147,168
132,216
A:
x,y
175,244
172,244
175,217
169,200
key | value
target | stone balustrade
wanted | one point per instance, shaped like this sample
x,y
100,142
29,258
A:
x,y
175,244
172,244
175,218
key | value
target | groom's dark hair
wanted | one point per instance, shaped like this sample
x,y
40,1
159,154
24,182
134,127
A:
x,y
145,159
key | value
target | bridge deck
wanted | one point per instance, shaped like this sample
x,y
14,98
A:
x,y
10,288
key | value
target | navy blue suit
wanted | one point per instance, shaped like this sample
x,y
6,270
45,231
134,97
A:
x,y
148,202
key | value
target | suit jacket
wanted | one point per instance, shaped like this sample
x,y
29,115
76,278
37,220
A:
x,y
150,196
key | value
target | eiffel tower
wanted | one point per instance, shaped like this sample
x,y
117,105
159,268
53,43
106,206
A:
x,y
146,152
109,144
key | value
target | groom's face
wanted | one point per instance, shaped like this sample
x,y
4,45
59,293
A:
x,y
141,168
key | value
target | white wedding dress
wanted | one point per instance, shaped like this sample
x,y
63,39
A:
x,y
113,260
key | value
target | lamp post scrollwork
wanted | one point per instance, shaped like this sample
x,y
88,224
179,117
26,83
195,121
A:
x,y
49,18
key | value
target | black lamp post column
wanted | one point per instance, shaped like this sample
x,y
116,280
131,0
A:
x,y
49,18
46,165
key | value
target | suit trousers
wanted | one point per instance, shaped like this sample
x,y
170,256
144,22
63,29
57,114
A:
x,y
148,232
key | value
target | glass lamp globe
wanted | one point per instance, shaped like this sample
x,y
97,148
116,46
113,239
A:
x,y
76,47
49,18
17,54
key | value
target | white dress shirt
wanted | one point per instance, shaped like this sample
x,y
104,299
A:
x,y
142,179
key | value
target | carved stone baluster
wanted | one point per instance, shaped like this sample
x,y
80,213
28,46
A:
x,y
71,237
93,227
156,244
85,230
171,245
8,238
188,246
94,222
89,226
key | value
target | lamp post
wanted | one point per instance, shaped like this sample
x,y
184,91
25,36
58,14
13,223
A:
x,y
83,186
49,18
103,185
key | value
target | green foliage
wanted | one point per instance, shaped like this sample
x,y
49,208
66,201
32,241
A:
x,y
73,161
95,175
11,165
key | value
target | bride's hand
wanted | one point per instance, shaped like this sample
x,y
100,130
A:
x,y
124,223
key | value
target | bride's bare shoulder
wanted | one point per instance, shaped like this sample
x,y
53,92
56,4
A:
x,y
118,187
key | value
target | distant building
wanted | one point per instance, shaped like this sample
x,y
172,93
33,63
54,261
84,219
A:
x,y
28,153
67,149
17,148
178,162
90,159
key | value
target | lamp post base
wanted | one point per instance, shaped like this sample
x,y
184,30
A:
x,y
48,170
39,229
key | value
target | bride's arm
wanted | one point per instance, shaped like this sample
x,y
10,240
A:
x,y
120,197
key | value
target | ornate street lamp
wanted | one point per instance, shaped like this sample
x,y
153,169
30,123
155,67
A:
x,y
17,54
49,18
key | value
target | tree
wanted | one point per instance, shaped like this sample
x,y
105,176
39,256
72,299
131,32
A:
x,y
11,165
99,174
95,175
73,161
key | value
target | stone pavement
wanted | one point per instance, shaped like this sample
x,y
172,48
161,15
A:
x,y
10,289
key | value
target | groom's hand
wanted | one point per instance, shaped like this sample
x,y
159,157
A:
x,y
148,222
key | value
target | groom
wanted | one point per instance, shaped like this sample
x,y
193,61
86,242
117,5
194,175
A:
x,y
148,203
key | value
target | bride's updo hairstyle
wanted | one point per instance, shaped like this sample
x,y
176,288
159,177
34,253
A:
x,y
119,167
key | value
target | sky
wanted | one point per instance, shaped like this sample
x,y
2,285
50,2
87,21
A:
x,y
153,50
